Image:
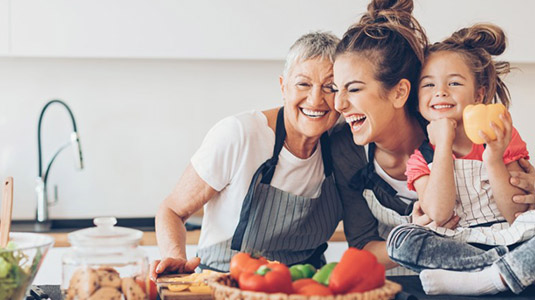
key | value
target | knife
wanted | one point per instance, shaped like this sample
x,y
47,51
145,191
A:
x,y
37,293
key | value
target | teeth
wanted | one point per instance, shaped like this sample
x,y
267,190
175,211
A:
x,y
313,113
442,106
354,118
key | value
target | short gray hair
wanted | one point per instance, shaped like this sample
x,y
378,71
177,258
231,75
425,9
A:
x,y
311,45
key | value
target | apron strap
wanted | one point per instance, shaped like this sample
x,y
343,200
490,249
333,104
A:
x,y
280,136
427,151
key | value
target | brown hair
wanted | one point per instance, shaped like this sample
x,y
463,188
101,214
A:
x,y
477,45
393,41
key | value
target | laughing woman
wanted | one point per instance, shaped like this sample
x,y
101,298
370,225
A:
x,y
264,177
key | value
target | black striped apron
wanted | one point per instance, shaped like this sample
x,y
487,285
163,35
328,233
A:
x,y
279,225
389,210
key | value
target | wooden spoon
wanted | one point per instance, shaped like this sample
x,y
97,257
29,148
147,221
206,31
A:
x,y
7,208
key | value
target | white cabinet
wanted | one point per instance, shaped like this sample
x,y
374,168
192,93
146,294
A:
x,y
4,27
516,17
203,29
231,29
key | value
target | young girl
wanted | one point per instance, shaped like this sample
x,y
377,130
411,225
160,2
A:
x,y
453,176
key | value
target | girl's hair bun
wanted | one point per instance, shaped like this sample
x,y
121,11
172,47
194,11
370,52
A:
x,y
489,37
376,6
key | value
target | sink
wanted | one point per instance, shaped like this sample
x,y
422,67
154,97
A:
x,y
68,225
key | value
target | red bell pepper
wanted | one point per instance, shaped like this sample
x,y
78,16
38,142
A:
x,y
358,270
244,262
269,278
374,279
310,287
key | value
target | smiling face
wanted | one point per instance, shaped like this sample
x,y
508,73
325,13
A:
x,y
446,87
361,98
308,98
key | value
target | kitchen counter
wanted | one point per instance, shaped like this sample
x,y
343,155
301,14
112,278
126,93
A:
x,y
192,237
50,270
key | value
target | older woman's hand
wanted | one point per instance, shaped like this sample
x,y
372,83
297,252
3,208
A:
x,y
173,265
420,218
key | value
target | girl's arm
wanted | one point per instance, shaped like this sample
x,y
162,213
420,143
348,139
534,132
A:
x,y
499,173
436,192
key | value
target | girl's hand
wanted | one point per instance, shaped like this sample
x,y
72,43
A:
x,y
495,149
420,218
442,132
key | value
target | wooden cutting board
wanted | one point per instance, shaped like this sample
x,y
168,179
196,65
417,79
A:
x,y
165,294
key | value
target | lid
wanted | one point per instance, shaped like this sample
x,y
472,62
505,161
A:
x,y
105,234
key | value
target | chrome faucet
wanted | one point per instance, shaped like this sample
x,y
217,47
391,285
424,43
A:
x,y
41,188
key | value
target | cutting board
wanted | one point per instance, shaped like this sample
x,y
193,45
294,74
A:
x,y
165,294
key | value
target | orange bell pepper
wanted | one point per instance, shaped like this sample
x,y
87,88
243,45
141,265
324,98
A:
x,y
478,117
269,278
358,270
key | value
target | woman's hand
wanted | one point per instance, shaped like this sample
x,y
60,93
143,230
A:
x,y
441,131
496,148
420,218
526,182
173,265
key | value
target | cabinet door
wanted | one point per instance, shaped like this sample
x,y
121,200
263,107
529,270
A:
x,y
4,27
231,29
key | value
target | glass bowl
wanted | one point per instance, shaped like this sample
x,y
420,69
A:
x,y
20,261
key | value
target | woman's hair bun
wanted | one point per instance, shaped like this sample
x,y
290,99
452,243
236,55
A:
x,y
484,36
377,6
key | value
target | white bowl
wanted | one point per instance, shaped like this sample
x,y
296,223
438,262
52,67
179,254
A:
x,y
19,265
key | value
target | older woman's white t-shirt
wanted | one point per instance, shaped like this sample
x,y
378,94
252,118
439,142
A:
x,y
229,156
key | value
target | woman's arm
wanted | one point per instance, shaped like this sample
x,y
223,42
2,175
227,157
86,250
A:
x,y
524,180
503,190
188,196
378,248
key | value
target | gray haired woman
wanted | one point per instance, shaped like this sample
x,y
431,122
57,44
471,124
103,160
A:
x,y
264,177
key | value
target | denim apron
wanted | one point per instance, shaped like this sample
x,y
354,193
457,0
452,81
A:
x,y
480,220
382,199
279,225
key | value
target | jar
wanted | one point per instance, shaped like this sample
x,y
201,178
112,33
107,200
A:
x,y
105,262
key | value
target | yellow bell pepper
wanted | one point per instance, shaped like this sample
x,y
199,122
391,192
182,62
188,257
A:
x,y
478,117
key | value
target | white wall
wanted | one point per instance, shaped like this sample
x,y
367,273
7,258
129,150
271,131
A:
x,y
139,122
141,119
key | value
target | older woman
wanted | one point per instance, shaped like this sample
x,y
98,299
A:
x,y
264,177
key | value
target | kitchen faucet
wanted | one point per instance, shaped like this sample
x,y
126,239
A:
x,y
43,222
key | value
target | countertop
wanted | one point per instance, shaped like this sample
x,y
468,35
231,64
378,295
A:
x,y
192,237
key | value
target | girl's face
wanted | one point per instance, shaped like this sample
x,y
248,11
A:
x,y
446,87
309,98
361,99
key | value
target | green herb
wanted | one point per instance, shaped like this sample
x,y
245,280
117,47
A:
x,y
14,276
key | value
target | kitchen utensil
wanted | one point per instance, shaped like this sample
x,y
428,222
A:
x,y
165,293
7,208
